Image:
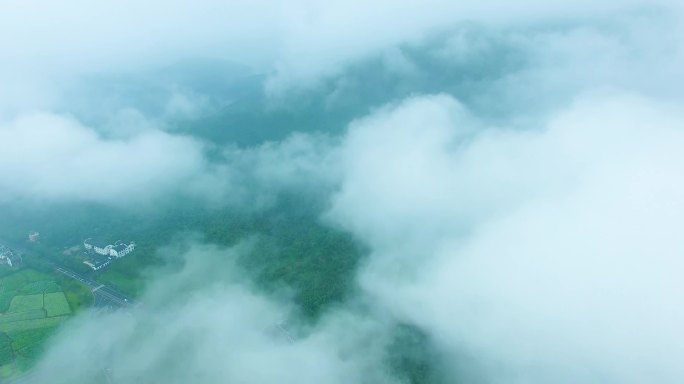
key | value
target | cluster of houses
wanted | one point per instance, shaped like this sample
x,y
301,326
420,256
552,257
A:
x,y
101,254
9,256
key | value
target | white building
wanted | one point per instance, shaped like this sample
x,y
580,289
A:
x,y
96,265
99,248
118,249
5,259
9,257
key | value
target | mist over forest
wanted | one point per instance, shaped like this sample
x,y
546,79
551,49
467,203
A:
x,y
402,192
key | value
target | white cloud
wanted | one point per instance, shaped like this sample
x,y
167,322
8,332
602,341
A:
x,y
47,45
51,157
549,255
199,325
546,249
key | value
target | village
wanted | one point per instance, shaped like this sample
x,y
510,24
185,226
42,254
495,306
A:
x,y
97,254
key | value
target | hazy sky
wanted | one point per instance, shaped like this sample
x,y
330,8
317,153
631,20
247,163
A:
x,y
521,198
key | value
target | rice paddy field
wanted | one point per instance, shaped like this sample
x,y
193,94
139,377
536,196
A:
x,y
32,306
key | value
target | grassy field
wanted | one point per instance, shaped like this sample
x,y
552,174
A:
x,y
56,304
32,306
19,316
23,303
6,351
78,295
39,287
25,325
130,284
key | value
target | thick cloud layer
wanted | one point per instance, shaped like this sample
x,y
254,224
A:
x,y
196,327
51,49
51,157
550,255
522,207
298,42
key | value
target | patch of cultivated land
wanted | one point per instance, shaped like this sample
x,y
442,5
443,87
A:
x,y
19,316
23,303
32,306
31,324
56,304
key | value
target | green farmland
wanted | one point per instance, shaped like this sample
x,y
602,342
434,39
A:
x,y
32,306
56,304
23,303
